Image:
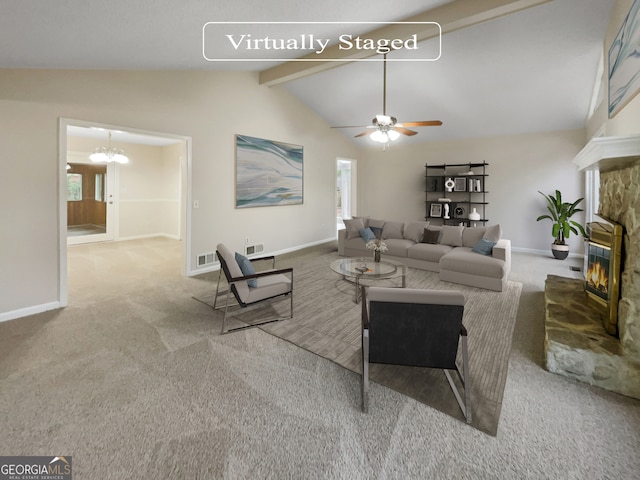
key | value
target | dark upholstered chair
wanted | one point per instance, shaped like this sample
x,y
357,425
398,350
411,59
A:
x,y
252,288
420,328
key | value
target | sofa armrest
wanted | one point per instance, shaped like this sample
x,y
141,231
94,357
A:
x,y
342,236
502,250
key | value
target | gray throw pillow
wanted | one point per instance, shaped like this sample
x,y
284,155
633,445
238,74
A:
x,y
452,235
392,230
413,230
493,233
353,226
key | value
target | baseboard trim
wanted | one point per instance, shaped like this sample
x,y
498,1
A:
x,y
27,311
214,267
546,253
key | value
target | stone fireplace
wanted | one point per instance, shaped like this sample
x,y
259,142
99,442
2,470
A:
x,y
576,342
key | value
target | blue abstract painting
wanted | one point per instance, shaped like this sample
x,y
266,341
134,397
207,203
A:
x,y
624,62
268,173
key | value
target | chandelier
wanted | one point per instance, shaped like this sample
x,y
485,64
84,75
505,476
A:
x,y
108,154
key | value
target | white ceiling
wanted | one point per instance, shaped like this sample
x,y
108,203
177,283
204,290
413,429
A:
x,y
531,71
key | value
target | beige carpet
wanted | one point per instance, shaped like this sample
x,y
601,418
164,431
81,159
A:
x,y
327,322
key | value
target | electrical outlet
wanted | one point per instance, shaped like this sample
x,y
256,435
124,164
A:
x,y
246,240
196,204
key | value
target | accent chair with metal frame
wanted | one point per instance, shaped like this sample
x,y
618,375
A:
x,y
415,327
251,289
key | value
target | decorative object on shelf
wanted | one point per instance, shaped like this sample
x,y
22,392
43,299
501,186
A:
x,y
108,154
562,227
478,186
449,184
444,200
460,184
474,215
446,211
459,212
378,246
436,210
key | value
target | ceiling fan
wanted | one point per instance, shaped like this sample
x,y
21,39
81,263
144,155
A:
x,y
386,128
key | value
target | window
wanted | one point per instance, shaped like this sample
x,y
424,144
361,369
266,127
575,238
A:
x,y
99,189
74,187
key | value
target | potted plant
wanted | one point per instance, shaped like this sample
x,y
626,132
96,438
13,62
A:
x,y
562,227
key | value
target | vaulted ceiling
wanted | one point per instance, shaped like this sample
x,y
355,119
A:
x,y
532,70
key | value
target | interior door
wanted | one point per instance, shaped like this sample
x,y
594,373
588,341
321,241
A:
x,y
90,201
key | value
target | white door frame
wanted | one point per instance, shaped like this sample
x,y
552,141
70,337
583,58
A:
x,y
185,200
353,197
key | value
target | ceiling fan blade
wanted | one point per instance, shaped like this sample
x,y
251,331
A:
x,y
404,131
425,123
363,134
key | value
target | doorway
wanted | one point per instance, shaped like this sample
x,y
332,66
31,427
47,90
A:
x,y
345,190
79,181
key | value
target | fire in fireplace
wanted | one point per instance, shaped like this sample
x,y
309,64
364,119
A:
x,y
597,277
603,271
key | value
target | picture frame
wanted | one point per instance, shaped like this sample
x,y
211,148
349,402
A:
x,y
435,210
460,184
268,173
624,63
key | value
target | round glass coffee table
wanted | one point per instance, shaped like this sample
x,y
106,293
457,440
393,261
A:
x,y
357,269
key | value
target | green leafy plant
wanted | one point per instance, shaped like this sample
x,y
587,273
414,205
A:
x,y
561,212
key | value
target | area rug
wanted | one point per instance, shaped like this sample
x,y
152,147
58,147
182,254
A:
x,y
326,321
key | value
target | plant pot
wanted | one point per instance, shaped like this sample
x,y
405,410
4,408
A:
x,y
376,256
560,251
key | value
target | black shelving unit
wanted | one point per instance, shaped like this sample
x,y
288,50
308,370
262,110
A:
x,y
454,190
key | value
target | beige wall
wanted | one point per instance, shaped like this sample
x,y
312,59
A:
x,y
519,166
209,107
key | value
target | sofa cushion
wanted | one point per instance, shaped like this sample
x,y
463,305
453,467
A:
x,y
430,236
471,235
392,230
463,260
493,233
413,231
397,246
428,252
376,223
353,226
452,235
483,247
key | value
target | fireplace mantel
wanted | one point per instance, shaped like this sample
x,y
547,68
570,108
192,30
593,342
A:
x,y
609,153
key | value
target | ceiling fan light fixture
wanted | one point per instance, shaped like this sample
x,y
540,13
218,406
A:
x,y
393,135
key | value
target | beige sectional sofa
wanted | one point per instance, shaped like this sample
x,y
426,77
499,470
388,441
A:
x,y
450,250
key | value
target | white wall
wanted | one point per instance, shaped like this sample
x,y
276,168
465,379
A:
x,y
209,107
519,166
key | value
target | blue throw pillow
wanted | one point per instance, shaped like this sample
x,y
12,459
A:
x,y
247,269
366,234
483,247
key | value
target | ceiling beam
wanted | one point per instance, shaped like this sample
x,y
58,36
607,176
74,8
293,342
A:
x,y
452,16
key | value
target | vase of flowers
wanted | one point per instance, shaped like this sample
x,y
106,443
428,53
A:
x,y
378,246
